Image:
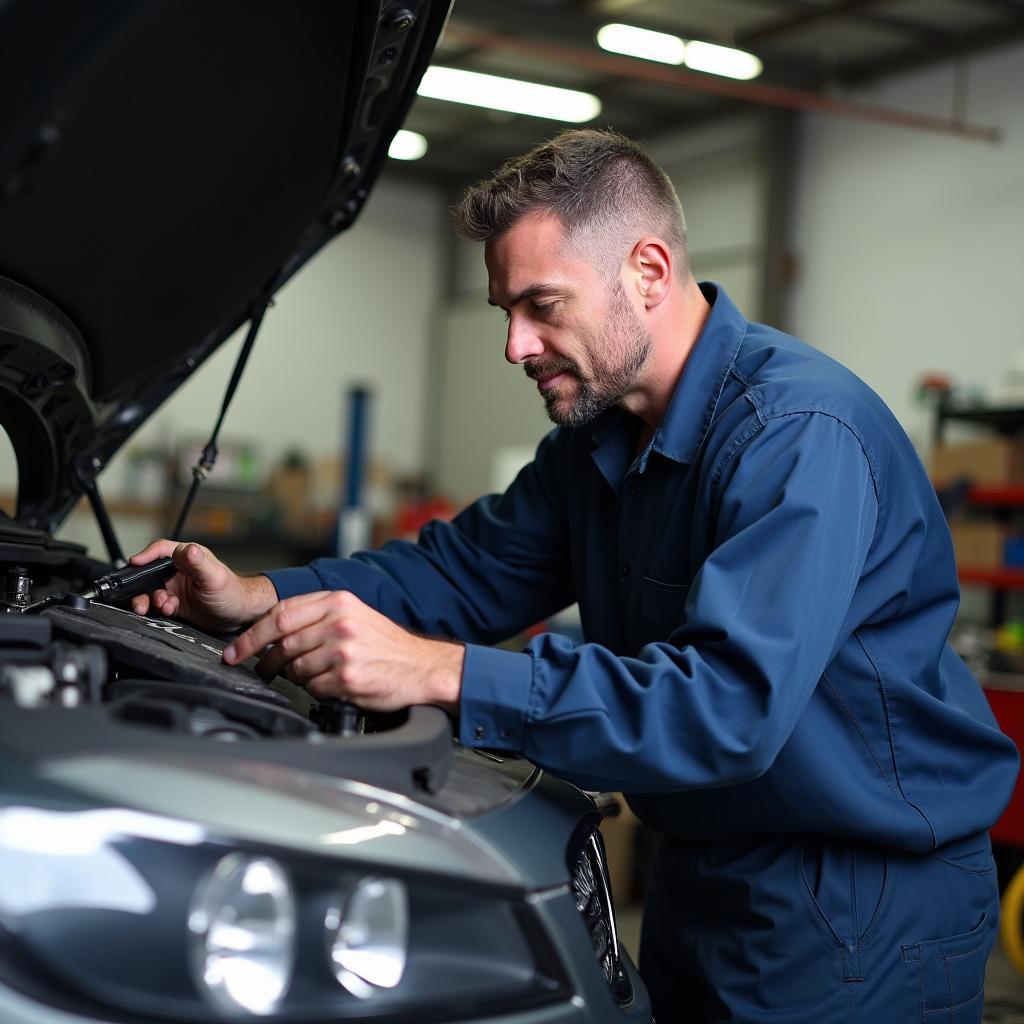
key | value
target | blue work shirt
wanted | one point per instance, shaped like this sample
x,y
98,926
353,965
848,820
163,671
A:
x,y
766,594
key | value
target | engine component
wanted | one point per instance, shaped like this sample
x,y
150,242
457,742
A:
x,y
36,671
17,588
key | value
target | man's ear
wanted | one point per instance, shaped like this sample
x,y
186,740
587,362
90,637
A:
x,y
650,267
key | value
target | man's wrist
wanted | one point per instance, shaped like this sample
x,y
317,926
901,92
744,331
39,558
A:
x,y
258,596
444,680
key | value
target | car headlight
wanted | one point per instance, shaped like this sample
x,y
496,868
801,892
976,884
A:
x,y
370,936
593,894
145,914
242,932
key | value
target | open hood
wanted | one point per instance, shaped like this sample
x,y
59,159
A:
x,y
164,166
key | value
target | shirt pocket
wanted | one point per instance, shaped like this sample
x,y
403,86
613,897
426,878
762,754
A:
x,y
662,609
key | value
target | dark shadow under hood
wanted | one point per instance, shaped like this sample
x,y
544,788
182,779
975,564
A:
x,y
164,166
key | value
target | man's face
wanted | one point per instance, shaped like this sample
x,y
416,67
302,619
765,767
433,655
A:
x,y
575,333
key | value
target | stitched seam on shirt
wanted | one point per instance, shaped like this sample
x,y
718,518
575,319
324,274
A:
x,y
832,416
739,376
738,442
752,396
534,703
892,735
845,708
967,869
710,419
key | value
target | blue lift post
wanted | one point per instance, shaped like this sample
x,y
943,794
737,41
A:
x,y
353,533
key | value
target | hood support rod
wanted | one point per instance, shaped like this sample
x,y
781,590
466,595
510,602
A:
x,y
99,510
201,470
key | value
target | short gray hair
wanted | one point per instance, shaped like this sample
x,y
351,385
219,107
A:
x,y
602,186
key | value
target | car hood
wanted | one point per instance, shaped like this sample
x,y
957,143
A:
x,y
164,167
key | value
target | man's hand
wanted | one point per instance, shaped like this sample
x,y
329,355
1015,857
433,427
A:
x,y
336,646
204,590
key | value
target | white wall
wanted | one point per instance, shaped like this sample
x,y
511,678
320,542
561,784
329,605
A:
x,y
721,181
910,243
489,411
359,312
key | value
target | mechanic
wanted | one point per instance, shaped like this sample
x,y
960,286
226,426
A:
x,y
766,585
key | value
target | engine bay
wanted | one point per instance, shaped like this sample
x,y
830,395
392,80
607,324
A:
x,y
78,675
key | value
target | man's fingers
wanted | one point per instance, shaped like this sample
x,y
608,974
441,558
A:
x,y
187,556
158,549
191,557
166,602
284,618
282,654
326,686
140,604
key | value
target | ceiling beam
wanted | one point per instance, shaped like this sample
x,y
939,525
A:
x,y
912,58
1007,6
751,92
810,14
577,27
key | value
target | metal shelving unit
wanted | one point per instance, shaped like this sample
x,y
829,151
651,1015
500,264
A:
x,y
1003,502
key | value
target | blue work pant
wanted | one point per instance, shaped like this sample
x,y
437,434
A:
x,y
818,930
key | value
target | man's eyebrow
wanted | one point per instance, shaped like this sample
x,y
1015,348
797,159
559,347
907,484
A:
x,y
526,293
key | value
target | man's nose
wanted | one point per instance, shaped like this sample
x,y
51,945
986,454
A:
x,y
522,342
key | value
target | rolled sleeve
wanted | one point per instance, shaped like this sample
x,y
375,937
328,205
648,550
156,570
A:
x,y
496,688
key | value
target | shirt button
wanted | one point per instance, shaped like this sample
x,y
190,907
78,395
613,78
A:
x,y
479,732
625,570
633,490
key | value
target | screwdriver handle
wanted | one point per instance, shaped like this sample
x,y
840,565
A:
x,y
133,579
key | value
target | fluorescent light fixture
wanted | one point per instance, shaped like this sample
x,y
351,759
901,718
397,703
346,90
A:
x,y
407,145
509,94
722,60
669,49
640,42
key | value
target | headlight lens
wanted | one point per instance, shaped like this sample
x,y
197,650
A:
x,y
242,933
370,937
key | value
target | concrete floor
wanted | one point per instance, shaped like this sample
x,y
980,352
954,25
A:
x,y
1004,987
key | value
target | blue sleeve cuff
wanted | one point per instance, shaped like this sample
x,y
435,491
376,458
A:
x,y
298,580
495,693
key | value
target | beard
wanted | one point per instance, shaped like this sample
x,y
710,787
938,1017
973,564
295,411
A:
x,y
615,355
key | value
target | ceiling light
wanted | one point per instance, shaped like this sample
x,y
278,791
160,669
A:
x,y
669,49
722,60
509,94
407,145
640,42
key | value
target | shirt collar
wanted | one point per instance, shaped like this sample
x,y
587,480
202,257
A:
x,y
699,388
695,399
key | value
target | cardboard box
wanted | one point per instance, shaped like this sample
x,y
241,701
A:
x,y
979,545
993,463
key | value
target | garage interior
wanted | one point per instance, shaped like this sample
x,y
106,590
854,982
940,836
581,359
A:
x,y
864,192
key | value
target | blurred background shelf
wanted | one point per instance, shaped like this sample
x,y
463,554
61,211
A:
x,y
998,497
998,579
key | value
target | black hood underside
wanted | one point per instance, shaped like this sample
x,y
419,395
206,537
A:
x,y
164,166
